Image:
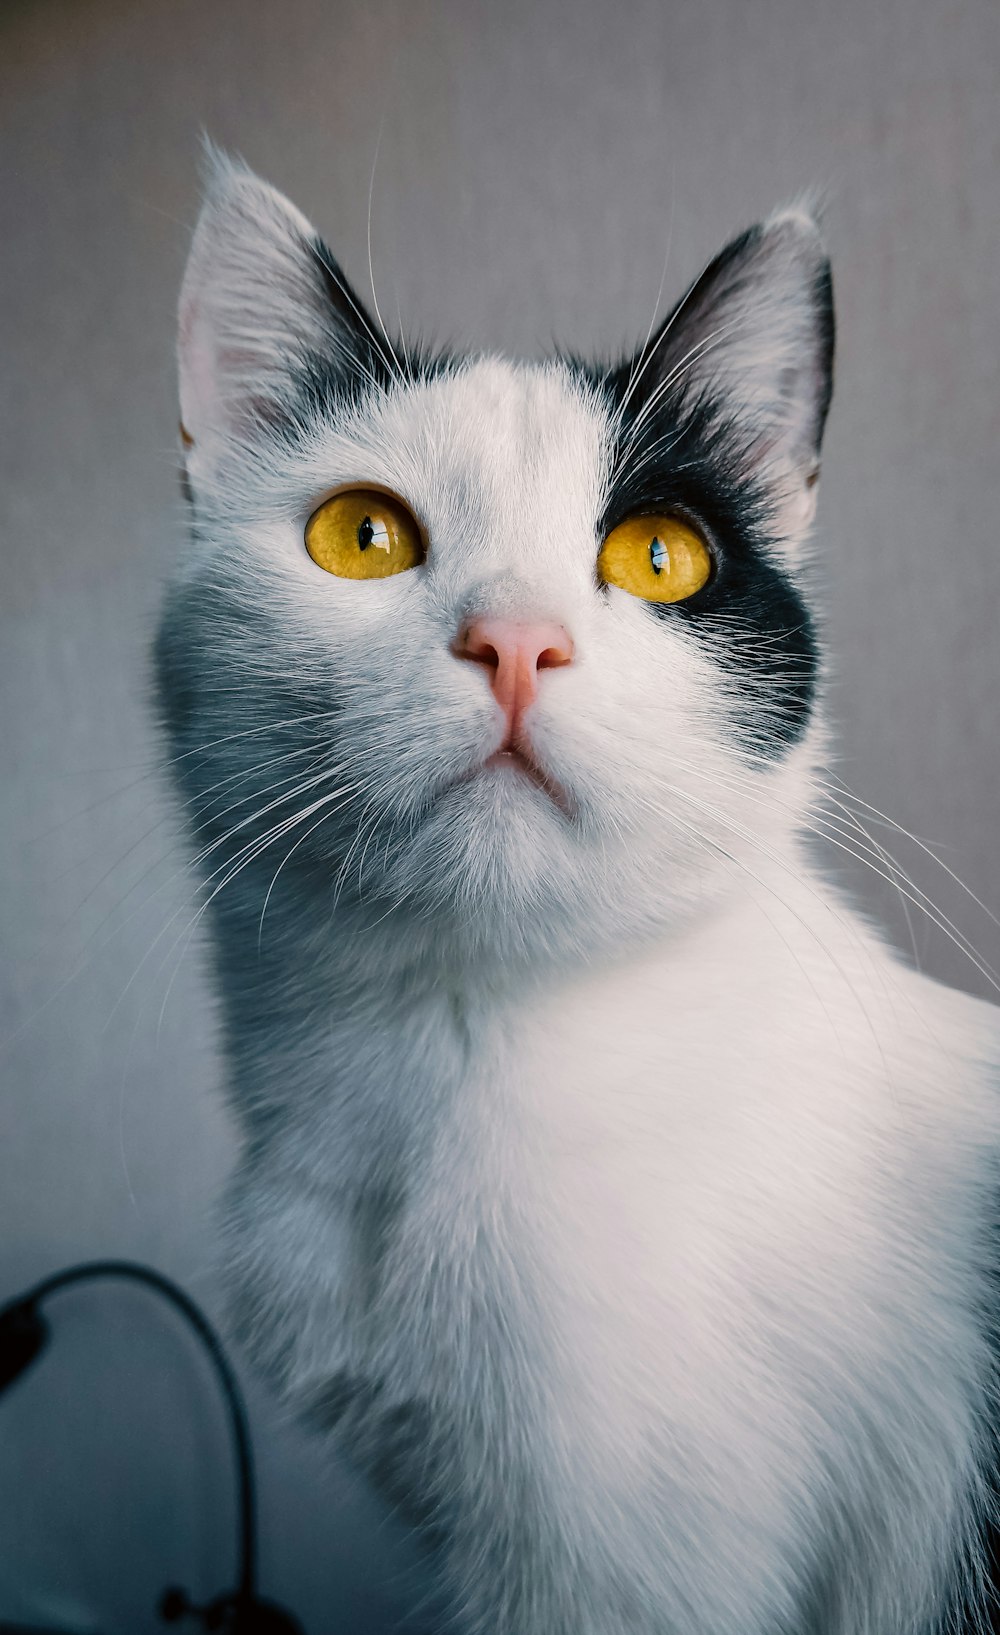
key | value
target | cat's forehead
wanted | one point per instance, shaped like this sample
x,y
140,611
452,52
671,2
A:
x,y
488,444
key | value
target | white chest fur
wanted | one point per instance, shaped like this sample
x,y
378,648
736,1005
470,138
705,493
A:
x,y
682,1259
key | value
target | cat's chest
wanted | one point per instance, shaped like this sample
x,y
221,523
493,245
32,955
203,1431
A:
x,y
619,1151
616,1225
681,1150
674,1158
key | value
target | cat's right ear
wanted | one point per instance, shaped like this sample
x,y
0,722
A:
x,y
754,338
262,303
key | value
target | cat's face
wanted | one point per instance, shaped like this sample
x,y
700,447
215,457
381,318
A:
x,y
481,719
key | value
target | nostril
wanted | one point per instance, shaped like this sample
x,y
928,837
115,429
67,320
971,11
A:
x,y
473,644
559,653
502,643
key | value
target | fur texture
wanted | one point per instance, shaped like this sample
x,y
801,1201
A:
x,y
608,1187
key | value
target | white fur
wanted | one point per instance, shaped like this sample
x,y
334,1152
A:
x,y
617,1142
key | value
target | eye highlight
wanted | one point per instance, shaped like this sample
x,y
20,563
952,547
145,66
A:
x,y
657,558
364,534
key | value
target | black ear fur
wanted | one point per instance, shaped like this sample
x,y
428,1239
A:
x,y
755,335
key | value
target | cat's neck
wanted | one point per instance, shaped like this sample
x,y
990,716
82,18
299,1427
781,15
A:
x,y
303,963
335,1009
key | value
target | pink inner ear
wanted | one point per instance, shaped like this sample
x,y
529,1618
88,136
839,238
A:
x,y
216,375
198,372
207,369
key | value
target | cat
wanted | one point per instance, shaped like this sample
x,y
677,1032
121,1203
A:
x,y
608,1187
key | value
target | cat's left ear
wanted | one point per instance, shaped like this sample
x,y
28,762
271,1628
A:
x,y
262,300
754,337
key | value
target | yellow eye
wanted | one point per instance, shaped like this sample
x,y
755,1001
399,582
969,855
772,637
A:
x,y
658,558
362,534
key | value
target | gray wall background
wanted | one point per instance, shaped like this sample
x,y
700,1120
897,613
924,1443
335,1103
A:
x,y
535,158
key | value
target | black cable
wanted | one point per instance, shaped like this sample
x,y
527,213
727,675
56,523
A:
x,y
131,1271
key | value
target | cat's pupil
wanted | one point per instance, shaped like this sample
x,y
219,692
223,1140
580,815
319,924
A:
x,y
658,554
373,533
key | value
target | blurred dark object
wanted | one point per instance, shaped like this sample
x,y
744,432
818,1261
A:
x,y
229,1614
24,1333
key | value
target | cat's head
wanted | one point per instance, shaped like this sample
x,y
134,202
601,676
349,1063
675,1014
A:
x,y
517,651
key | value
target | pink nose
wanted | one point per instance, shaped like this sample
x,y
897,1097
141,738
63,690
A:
x,y
514,651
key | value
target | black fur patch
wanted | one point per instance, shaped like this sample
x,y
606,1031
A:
x,y
391,1442
366,357
684,456
678,448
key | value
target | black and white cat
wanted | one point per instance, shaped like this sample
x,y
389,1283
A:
x,y
607,1183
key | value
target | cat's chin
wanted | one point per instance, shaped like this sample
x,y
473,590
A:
x,y
493,845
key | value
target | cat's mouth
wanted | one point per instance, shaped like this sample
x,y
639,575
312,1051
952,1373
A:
x,y
514,764
515,761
